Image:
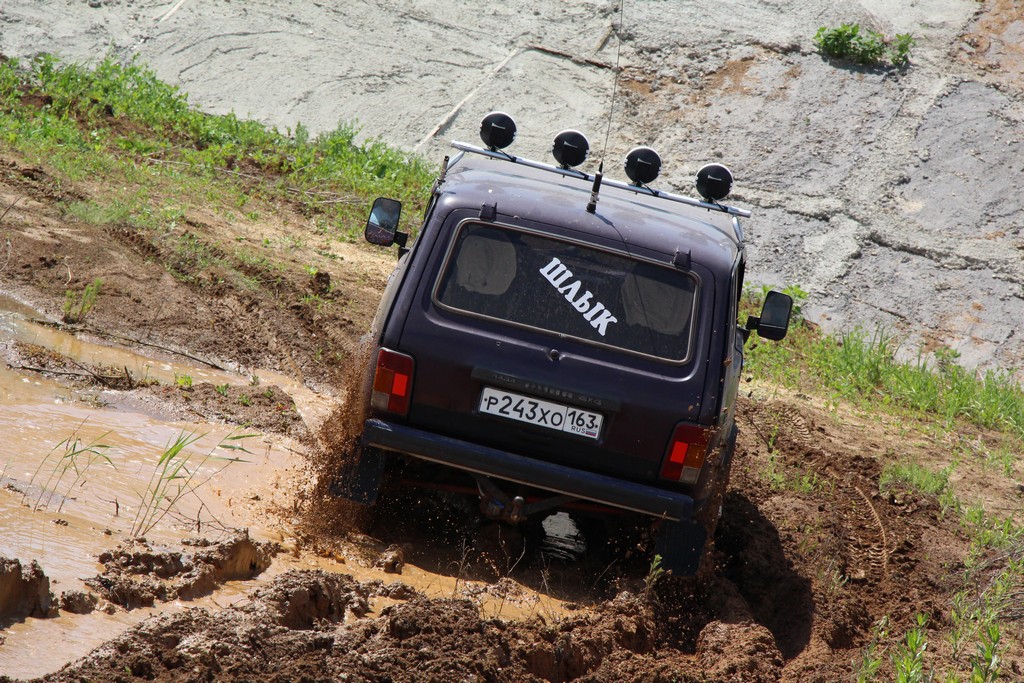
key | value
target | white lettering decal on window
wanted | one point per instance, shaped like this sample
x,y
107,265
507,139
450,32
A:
x,y
583,303
601,323
570,289
595,313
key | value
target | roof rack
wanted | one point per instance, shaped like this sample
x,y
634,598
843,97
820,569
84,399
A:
x,y
571,148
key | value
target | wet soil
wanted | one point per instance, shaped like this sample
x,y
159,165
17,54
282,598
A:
x,y
803,571
24,591
134,575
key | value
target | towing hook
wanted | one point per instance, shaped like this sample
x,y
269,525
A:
x,y
495,504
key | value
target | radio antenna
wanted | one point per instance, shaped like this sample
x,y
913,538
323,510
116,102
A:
x,y
615,83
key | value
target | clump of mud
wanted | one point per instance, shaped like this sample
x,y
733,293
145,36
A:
x,y
739,652
135,575
391,560
265,407
78,602
284,629
304,626
24,590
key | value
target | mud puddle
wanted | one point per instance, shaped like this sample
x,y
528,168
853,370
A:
x,y
63,514
79,474
78,468
20,323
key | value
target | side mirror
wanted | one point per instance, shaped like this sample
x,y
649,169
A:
x,y
774,320
382,225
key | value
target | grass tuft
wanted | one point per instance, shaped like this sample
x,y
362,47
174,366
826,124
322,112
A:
x,y
72,459
177,475
76,307
863,46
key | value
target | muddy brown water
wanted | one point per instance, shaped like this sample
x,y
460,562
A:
x,y
64,517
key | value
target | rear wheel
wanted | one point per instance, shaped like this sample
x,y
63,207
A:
x,y
688,548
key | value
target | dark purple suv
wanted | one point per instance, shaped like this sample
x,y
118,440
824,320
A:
x,y
553,338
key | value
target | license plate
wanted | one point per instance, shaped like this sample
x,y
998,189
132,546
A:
x,y
541,413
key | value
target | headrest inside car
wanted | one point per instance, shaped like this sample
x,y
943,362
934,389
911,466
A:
x,y
486,263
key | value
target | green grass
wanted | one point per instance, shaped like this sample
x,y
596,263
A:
x,y
867,369
68,464
178,474
863,46
119,121
915,476
77,306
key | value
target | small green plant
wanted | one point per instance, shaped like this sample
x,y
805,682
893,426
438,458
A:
x,y
1002,458
872,659
863,46
76,308
915,476
963,616
908,659
990,531
654,575
245,400
254,381
72,456
985,663
221,389
773,474
183,382
899,49
176,476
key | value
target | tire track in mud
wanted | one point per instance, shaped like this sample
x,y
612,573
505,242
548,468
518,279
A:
x,y
864,545
866,540
808,543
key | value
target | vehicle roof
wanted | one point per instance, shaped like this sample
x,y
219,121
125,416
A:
x,y
640,223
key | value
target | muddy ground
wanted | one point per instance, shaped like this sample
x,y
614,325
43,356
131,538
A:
x,y
858,177
809,555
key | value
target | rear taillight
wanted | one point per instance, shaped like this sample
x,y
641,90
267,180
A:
x,y
686,452
392,382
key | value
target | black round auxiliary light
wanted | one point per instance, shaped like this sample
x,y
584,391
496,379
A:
x,y
497,130
714,182
571,148
642,165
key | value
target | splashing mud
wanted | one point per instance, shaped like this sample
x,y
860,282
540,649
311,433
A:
x,y
326,516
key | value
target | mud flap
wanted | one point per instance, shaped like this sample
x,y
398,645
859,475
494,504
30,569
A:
x,y
681,545
360,481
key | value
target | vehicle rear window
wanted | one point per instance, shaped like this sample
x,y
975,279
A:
x,y
566,288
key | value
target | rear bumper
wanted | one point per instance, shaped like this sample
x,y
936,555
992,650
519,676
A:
x,y
493,462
